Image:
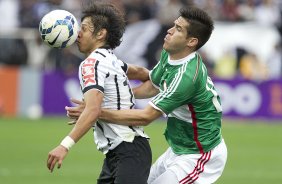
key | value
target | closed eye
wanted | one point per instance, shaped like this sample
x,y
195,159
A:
x,y
179,28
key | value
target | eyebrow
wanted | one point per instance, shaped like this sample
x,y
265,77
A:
x,y
87,26
84,24
177,25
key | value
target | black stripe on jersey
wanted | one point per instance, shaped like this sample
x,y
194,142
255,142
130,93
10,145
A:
x,y
100,126
93,87
109,142
131,97
118,94
124,67
96,72
100,53
131,107
131,127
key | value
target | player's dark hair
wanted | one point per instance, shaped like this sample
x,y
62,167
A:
x,y
200,24
106,16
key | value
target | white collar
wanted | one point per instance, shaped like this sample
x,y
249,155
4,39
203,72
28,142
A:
x,y
183,60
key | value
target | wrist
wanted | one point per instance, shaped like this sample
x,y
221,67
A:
x,y
67,142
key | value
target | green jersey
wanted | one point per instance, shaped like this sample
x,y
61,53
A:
x,y
188,98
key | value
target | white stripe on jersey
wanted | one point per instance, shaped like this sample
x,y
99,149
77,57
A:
x,y
103,71
173,86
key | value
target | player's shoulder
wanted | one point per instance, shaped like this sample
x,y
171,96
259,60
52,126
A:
x,y
103,54
190,68
196,68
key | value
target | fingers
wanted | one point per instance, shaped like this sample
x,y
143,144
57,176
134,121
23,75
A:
x,y
72,122
73,114
57,155
51,162
60,164
71,109
78,102
75,111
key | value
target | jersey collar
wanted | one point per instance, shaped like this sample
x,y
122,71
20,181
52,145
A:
x,y
183,60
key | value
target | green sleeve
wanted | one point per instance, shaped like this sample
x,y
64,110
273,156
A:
x,y
158,70
177,94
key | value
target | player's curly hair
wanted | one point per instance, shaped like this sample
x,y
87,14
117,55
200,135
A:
x,y
200,24
106,16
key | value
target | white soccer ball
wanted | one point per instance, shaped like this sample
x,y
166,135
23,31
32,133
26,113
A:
x,y
58,29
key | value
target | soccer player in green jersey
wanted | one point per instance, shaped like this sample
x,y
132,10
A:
x,y
183,92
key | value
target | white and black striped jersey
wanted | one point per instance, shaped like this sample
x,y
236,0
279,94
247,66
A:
x,y
102,71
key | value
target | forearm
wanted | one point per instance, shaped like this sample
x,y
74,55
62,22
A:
x,y
130,117
137,73
145,90
85,121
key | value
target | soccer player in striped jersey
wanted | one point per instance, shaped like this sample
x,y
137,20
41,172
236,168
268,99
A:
x,y
104,84
186,94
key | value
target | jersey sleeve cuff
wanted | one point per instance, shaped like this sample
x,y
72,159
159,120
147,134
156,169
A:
x,y
99,88
157,108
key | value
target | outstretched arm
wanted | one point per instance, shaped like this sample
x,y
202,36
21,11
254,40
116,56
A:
x,y
131,117
135,72
145,90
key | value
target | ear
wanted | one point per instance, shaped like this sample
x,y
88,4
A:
x,y
192,42
101,34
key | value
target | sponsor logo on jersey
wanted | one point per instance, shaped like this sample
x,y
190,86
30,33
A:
x,y
88,72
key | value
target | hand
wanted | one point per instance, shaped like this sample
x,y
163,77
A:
x,y
74,112
55,156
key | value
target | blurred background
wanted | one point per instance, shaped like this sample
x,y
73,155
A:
x,y
243,56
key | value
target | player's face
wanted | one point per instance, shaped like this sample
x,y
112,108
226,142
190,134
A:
x,y
176,39
86,41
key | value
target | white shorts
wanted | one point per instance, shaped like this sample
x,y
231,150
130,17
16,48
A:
x,y
203,168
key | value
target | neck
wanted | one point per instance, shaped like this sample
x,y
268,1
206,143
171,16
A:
x,y
176,55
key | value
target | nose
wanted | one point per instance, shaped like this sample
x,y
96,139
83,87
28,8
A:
x,y
79,33
170,30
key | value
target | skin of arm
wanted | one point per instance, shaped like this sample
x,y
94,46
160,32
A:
x,y
135,117
131,117
92,102
135,72
145,90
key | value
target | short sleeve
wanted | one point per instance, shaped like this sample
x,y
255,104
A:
x,y
92,74
179,91
156,73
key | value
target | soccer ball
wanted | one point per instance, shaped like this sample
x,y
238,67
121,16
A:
x,y
58,29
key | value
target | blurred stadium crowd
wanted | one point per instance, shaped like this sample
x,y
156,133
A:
x,y
20,43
